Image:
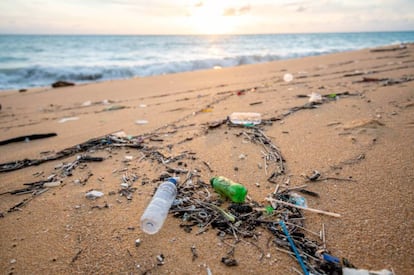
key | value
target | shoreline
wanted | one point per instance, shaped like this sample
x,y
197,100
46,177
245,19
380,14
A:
x,y
49,87
265,63
357,138
122,58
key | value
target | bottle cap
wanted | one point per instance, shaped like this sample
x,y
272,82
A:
x,y
174,180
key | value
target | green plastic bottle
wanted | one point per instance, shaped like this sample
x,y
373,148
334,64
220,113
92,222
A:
x,y
229,189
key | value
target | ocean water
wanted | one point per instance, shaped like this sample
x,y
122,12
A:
x,y
39,60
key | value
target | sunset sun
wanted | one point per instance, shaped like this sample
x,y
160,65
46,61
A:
x,y
210,18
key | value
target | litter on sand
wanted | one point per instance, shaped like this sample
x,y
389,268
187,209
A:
x,y
66,119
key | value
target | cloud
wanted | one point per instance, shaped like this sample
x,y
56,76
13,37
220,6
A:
x,y
295,3
229,12
244,9
265,16
301,9
236,11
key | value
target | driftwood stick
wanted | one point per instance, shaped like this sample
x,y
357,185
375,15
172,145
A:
x,y
208,166
334,178
303,228
305,208
27,138
276,189
296,187
323,236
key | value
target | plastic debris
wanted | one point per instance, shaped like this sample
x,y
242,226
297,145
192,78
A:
x,y
141,122
314,176
160,259
120,134
331,259
275,202
245,118
294,249
52,184
352,271
315,98
124,185
157,210
225,214
229,261
87,103
229,189
94,194
66,119
298,200
287,77
128,158
114,108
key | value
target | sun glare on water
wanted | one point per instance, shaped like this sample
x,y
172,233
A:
x,y
208,18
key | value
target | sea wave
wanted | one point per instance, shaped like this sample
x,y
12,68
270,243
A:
x,y
32,61
34,76
6,59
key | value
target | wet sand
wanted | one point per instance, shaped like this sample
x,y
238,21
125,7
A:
x,y
362,142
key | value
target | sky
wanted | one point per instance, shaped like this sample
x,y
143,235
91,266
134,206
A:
x,y
203,16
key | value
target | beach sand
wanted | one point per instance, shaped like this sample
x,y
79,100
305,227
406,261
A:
x,y
362,142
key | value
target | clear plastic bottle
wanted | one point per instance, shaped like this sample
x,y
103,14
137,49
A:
x,y
157,210
241,118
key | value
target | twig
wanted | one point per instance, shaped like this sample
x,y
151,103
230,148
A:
x,y
258,247
310,193
276,190
100,142
246,135
208,166
18,205
285,251
334,178
323,236
27,138
307,230
194,252
176,170
296,270
296,187
305,208
76,256
231,245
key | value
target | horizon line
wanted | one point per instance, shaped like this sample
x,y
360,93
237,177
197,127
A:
x,y
203,34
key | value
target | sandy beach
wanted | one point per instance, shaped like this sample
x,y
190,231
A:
x,y
358,136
